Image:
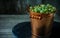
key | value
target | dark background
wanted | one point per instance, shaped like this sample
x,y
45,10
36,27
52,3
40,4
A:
x,y
19,6
8,6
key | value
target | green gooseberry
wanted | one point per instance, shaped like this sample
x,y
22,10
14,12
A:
x,y
42,5
41,11
35,9
43,8
30,7
49,9
32,10
46,12
48,5
54,8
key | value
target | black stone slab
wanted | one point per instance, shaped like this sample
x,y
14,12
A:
x,y
23,30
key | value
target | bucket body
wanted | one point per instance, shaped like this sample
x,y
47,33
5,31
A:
x,y
41,24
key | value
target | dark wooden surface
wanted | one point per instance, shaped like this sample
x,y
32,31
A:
x,y
7,22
